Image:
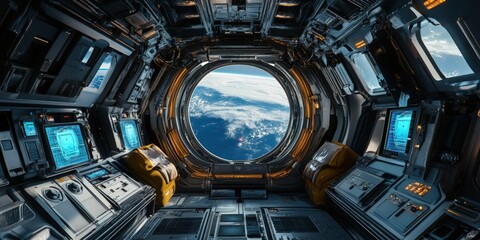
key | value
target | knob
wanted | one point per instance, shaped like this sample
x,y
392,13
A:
x,y
53,194
74,187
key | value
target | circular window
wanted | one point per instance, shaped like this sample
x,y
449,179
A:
x,y
239,112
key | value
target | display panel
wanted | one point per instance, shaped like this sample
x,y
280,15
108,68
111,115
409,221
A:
x,y
129,134
29,128
66,145
398,133
96,174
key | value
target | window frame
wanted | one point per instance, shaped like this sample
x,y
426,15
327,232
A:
x,y
379,76
425,55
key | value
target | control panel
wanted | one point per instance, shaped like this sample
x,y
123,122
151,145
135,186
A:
x,y
399,212
405,205
87,197
112,183
53,199
28,134
359,185
75,205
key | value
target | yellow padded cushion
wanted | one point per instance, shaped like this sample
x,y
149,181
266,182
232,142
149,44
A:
x,y
329,162
343,157
151,166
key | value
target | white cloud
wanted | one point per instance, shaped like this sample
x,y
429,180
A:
x,y
238,117
442,47
247,87
438,41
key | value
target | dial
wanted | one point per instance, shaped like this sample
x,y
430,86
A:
x,y
53,194
74,187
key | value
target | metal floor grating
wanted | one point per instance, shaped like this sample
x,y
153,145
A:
x,y
293,224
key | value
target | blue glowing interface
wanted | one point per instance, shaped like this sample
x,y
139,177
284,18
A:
x,y
66,145
129,134
96,174
29,128
399,131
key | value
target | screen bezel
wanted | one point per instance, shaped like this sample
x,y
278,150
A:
x,y
49,148
411,134
121,132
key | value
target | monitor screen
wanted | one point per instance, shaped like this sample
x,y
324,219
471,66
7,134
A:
x,y
398,134
129,134
29,128
66,145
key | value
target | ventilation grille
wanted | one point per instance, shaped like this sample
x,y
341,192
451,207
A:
x,y
293,224
13,216
10,217
14,79
172,226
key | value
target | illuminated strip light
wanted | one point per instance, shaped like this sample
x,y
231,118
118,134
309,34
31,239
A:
x,y
430,4
360,44
288,4
239,176
40,39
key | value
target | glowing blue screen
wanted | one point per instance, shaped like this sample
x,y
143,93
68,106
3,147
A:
x,y
29,128
66,145
129,134
398,131
96,174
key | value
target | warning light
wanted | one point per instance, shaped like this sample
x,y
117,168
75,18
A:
x,y
418,188
360,44
430,4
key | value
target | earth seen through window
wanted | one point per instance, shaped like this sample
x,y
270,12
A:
x,y
239,112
